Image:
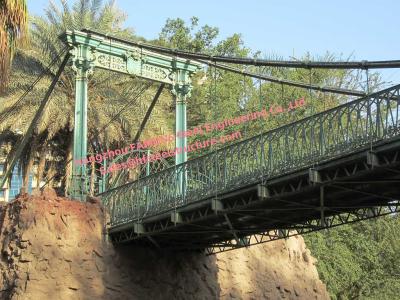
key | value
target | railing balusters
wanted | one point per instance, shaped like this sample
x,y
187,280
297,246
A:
x,y
296,145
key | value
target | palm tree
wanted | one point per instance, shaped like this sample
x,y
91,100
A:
x,y
108,92
13,25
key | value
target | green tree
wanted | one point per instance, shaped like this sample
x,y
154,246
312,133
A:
x,y
359,261
216,94
176,34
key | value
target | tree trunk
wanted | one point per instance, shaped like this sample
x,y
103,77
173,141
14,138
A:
x,y
41,166
68,166
25,174
6,185
51,174
28,167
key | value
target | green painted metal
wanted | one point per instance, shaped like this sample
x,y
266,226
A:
x,y
122,176
350,128
82,55
80,131
91,51
119,57
181,92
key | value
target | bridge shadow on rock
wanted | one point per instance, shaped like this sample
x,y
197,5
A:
x,y
280,269
276,270
156,274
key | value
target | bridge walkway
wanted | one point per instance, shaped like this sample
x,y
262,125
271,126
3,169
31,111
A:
x,y
332,168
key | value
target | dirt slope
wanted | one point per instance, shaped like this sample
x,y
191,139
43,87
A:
x,y
53,248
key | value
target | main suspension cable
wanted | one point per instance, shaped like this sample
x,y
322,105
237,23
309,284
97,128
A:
x,y
286,81
212,60
364,64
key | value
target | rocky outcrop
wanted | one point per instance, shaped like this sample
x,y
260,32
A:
x,y
53,248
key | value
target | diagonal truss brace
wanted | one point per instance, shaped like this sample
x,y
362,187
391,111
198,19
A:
x,y
310,226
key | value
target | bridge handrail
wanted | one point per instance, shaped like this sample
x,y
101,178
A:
x,y
315,138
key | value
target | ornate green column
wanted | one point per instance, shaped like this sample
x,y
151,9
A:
x,y
181,89
82,64
91,49
181,94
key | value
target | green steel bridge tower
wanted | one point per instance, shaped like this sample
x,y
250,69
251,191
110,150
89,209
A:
x,y
90,51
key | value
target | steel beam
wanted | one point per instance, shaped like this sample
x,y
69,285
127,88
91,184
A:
x,y
331,222
372,159
139,228
176,217
314,176
217,205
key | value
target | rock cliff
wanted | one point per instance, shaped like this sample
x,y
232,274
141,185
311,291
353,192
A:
x,y
54,248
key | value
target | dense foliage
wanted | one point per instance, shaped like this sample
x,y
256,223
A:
x,y
361,260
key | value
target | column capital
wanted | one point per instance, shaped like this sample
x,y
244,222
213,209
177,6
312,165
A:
x,y
182,84
83,61
181,91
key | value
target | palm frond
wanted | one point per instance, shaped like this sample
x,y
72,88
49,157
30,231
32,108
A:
x,y
13,28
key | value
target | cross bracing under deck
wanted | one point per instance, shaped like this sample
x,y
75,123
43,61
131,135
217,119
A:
x,y
335,167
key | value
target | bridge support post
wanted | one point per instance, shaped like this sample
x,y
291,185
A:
x,y
372,159
181,89
262,192
80,136
83,66
217,205
180,127
90,50
314,176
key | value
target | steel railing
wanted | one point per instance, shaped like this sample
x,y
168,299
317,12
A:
x,y
304,143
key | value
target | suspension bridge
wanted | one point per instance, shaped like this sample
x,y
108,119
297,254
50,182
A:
x,y
331,168
334,167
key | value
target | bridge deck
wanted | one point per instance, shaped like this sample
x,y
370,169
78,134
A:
x,y
336,167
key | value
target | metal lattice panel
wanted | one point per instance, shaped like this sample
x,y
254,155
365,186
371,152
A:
x,y
333,133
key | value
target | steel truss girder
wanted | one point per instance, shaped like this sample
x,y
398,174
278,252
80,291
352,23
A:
x,y
309,226
354,127
262,184
329,178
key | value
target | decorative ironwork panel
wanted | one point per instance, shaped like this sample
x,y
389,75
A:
x,y
336,132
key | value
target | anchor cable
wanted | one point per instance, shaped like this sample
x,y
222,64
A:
x,y
4,115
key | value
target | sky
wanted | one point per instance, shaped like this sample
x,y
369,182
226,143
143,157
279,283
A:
x,y
364,30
